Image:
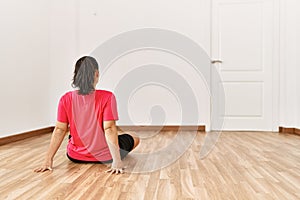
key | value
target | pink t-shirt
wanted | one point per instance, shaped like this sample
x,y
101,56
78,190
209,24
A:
x,y
85,115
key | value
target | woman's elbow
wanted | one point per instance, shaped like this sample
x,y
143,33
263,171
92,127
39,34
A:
x,y
60,131
110,129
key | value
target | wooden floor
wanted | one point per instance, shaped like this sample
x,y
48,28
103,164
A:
x,y
243,165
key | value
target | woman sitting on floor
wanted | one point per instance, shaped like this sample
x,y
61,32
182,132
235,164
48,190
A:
x,y
91,116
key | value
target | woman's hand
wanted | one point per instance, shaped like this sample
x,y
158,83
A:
x,y
46,166
116,168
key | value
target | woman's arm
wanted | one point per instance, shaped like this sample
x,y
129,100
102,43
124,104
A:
x,y
111,135
56,140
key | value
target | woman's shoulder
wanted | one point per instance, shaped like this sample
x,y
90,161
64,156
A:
x,y
67,95
104,93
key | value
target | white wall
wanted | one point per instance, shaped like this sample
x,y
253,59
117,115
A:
x,y
63,49
290,64
24,68
86,24
101,20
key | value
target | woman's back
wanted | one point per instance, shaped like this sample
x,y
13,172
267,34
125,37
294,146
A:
x,y
85,114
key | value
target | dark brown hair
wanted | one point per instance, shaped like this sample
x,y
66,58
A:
x,y
84,74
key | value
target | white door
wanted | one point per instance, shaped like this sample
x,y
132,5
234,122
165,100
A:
x,y
243,39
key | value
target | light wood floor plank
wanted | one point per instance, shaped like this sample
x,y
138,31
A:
x,y
243,165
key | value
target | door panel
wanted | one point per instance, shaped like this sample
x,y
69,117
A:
x,y
247,93
242,37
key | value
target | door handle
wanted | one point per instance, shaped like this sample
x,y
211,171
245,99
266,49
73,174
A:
x,y
216,61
